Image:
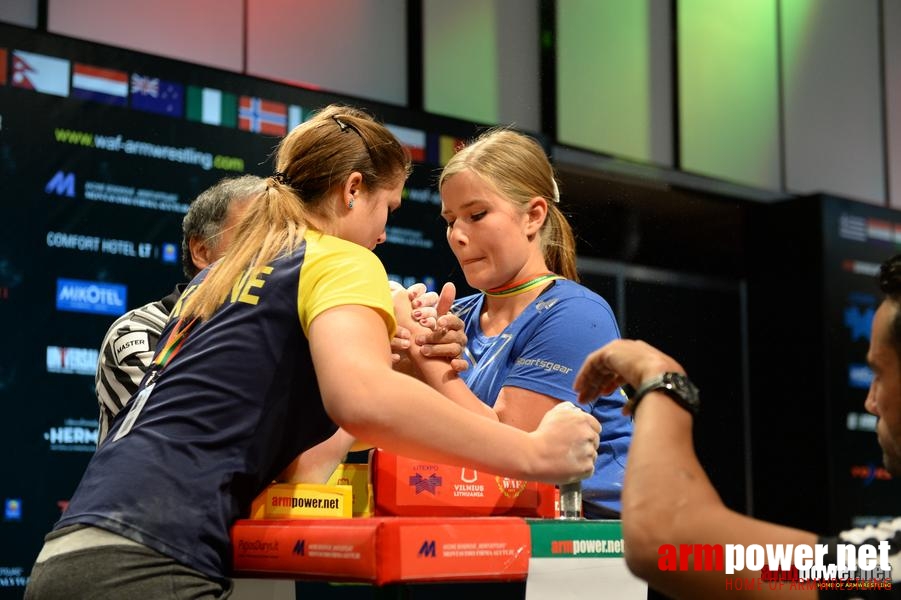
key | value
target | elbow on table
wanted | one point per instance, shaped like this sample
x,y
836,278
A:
x,y
641,544
649,522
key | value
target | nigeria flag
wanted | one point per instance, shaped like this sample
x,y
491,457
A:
x,y
212,106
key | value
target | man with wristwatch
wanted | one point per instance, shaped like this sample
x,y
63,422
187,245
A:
x,y
668,501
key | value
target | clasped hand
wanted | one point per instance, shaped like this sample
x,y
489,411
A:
x,y
424,320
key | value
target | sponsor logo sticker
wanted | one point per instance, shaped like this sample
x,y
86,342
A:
x,y
75,361
93,297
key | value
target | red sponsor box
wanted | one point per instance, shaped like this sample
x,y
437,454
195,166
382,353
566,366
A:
x,y
383,550
412,487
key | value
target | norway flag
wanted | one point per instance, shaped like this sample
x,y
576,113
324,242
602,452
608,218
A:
x,y
262,116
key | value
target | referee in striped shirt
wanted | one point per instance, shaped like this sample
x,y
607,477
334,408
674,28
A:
x,y
130,343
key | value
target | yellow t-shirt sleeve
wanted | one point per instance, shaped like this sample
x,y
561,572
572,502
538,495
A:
x,y
336,272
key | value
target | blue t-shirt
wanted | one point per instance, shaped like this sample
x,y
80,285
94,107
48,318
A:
x,y
235,405
541,351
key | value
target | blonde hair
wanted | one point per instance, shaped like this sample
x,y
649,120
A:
x,y
312,162
516,165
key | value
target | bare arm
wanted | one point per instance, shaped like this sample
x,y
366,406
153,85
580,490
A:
x,y
523,408
667,497
444,340
318,463
361,392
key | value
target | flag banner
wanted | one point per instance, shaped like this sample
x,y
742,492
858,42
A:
x,y
412,139
295,116
45,74
262,116
97,84
212,106
152,94
442,147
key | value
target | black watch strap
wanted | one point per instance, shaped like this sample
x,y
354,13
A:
x,y
675,385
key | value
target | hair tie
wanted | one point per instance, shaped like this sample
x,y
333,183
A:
x,y
556,197
281,178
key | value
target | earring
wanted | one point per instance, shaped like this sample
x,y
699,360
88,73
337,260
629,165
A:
x,y
351,203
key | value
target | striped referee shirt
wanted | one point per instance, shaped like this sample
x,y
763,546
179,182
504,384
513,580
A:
x,y
125,355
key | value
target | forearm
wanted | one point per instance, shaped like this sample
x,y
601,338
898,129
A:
x,y
665,486
410,418
318,463
668,499
438,374
404,415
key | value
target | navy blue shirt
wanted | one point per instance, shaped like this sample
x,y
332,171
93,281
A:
x,y
237,403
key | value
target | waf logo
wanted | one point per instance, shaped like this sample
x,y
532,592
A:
x,y
509,487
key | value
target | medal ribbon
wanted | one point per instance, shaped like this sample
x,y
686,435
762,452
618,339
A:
x,y
522,286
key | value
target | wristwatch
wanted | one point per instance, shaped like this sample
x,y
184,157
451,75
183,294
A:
x,y
675,385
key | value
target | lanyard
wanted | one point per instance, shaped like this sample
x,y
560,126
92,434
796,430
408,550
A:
x,y
174,343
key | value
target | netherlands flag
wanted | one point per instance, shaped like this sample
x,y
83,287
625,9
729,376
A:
x,y
100,85
262,116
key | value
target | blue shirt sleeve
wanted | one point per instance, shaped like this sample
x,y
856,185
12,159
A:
x,y
552,355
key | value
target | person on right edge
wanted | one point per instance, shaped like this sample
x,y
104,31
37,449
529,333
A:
x,y
668,499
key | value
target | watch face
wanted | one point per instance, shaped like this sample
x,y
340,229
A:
x,y
686,391
676,385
